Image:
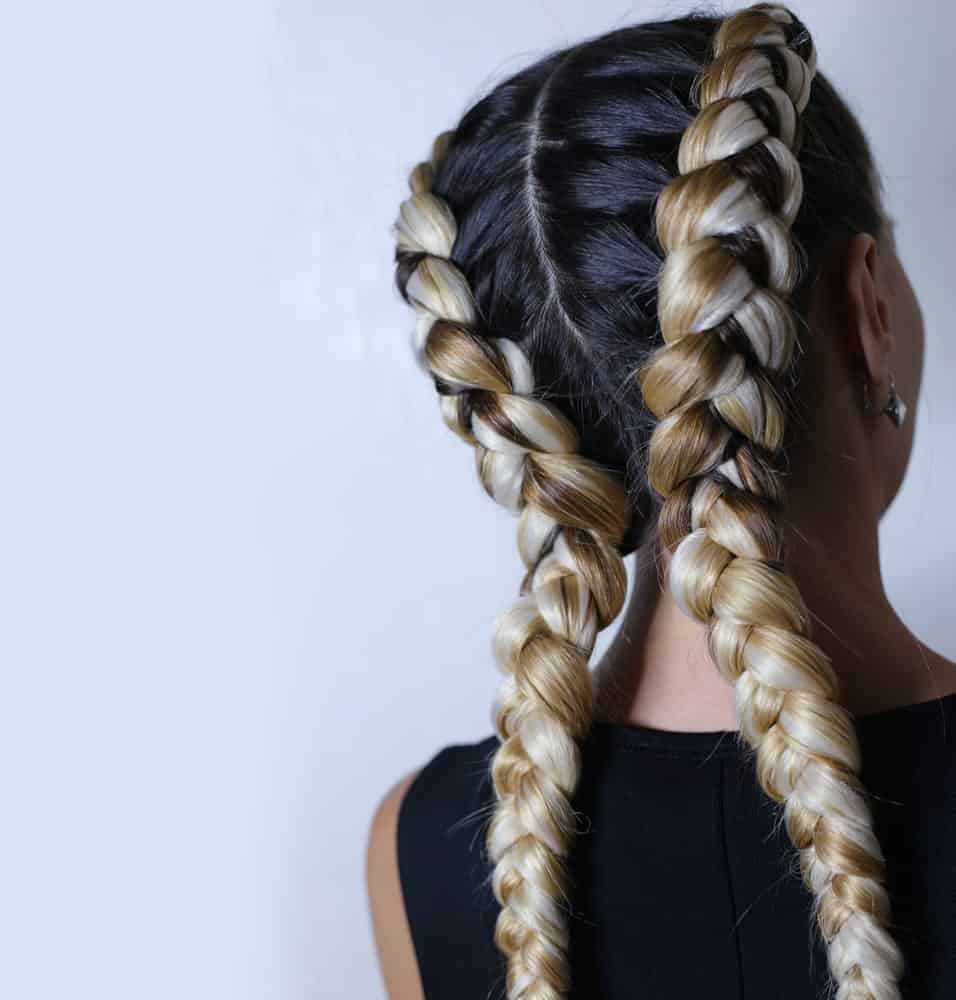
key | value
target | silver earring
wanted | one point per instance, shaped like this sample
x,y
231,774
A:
x,y
894,407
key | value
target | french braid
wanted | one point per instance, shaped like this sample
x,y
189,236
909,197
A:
x,y
724,224
572,517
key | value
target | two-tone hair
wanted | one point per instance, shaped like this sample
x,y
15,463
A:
x,y
608,256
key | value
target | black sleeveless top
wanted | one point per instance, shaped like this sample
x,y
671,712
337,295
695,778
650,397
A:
x,y
684,886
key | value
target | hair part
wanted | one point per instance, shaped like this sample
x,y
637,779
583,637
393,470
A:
x,y
611,256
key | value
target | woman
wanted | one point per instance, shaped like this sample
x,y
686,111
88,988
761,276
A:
x,y
659,296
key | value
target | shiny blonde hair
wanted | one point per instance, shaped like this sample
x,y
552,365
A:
x,y
713,387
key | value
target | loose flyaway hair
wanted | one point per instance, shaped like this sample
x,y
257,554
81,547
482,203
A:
x,y
610,256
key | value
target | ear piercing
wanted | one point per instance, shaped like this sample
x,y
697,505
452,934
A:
x,y
894,407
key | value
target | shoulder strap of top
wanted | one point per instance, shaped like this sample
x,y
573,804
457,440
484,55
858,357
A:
x,y
445,874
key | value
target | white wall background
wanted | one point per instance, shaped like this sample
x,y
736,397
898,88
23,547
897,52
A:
x,y
247,576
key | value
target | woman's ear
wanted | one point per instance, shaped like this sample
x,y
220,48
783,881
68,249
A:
x,y
871,337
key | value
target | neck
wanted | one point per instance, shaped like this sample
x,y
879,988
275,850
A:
x,y
657,671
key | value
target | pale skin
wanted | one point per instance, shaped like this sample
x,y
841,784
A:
x,y
865,322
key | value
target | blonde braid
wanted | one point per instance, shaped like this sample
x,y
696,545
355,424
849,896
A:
x,y
572,518
729,332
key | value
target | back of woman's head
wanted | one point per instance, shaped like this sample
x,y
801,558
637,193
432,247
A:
x,y
612,255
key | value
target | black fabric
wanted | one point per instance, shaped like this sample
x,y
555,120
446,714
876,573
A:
x,y
686,886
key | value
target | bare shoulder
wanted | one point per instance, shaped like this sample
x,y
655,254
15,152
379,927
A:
x,y
393,938
940,674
